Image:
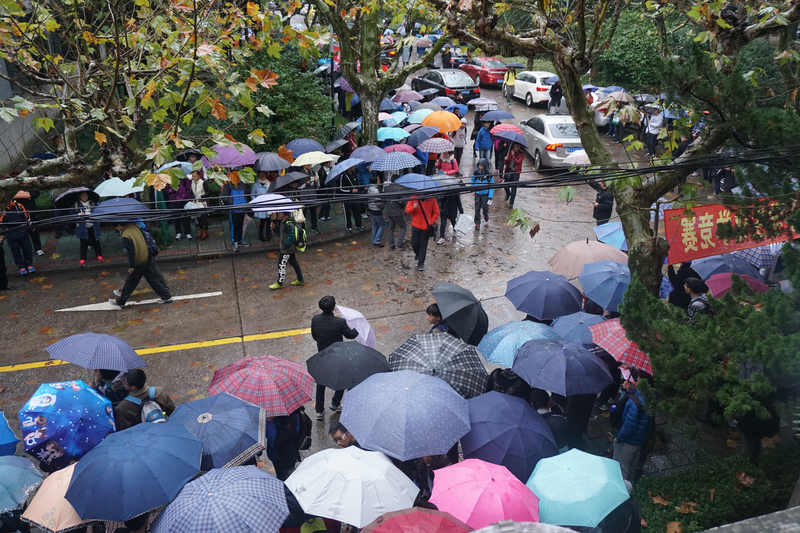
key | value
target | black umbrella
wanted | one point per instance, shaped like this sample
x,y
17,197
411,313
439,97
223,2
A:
x,y
334,145
421,135
66,199
462,311
343,365
270,162
286,179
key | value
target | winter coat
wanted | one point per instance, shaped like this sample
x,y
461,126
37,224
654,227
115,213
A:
x,y
483,178
448,167
82,228
678,296
328,328
605,202
450,206
635,425
374,203
514,161
363,175
484,140
234,194
459,137
135,245
698,306
287,227
200,191
184,191
17,217
419,219
555,95
395,208
256,190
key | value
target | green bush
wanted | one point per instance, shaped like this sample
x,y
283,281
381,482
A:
x,y
758,57
632,60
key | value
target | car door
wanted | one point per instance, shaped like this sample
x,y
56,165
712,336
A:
x,y
528,132
522,85
469,68
537,139
426,81
434,80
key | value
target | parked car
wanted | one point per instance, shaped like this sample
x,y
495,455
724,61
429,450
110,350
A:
x,y
447,82
532,86
485,70
550,139
388,50
600,118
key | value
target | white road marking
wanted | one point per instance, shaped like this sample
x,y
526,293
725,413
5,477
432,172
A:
x,y
105,306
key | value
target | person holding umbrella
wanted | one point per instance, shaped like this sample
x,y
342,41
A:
x,y
288,250
200,192
142,251
235,192
87,231
509,81
459,140
636,422
513,168
604,202
261,186
556,92
483,198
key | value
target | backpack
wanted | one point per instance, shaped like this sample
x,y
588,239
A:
x,y
615,414
299,238
151,410
152,247
303,430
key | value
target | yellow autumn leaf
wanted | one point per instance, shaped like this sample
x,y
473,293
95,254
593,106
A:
x,y
89,38
158,181
252,9
100,138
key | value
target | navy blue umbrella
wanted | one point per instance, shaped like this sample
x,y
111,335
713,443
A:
x,y
544,295
367,153
343,365
96,351
497,115
421,135
552,79
575,327
303,146
231,430
506,430
119,210
341,167
388,105
428,92
716,264
511,136
614,88
561,367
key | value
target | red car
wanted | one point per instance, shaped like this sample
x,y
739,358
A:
x,y
485,70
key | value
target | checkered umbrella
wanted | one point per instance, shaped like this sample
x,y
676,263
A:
x,y
93,350
405,414
561,367
342,132
277,386
242,499
604,282
462,311
436,145
760,256
395,161
662,206
610,336
446,357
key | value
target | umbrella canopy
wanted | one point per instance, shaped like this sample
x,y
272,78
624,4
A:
x,y
405,414
569,260
561,367
578,157
760,256
414,105
721,283
590,87
395,160
394,134
63,421
399,116
418,182
444,120
22,195
119,210
512,136
231,430
270,162
69,197
358,322
428,105
620,96
185,166
272,203
96,351
236,155
577,488
286,179
302,146
312,158
343,83
443,101
8,439
343,365
18,479
273,384
422,134
428,92
462,311
351,485
242,499
49,509
515,64
345,129
443,356
485,108
506,430
368,153
610,336
419,115
552,79
481,493
505,127
388,105
544,295
463,109
436,145
604,282
116,187
496,116
646,98
335,145
482,101
407,96
384,116
611,233
575,327
341,167
424,42
134,471
716,264
400,148
500,345
417,520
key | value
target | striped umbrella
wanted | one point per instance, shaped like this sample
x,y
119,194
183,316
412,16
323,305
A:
x,y
395,161
436,145
96,351
505,127
604,282
407,96
610,336
399,148
344,85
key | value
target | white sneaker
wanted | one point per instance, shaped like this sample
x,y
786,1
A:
x,y
440,241
178,236
117,293
39,252
189,236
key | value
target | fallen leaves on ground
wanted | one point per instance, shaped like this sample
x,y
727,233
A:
x,y
13,315
175,396
180,303
686,508
328,282
674,527
212,367
644,524
408,327
55,256
659,500
47,330
2,388
157,331
134,322
744,479
196,363
770,442
46,287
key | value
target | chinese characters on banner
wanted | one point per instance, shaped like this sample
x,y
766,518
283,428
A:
x,y
692,235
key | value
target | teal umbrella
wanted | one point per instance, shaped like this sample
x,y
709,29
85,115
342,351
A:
x,y
18,478
395,134
500,345
577,488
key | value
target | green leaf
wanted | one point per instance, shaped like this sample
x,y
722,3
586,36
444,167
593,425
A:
x,y
187,118
160,115
274,50
722,24
566,194
45,123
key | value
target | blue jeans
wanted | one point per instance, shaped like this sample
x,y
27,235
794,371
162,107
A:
x,y
378,225
485,154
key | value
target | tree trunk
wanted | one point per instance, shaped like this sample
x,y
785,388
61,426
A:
x,y
646,252
370,105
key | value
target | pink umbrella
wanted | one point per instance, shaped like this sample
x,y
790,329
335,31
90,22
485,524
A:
x,y
384,116
358,322
407,96
480,494
721,283
400,148
237,155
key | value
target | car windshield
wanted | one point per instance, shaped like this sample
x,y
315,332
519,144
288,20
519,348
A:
x,y
564,130
457,77
495,64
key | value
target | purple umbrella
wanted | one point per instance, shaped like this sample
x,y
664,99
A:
x,y
368,153
303,146
236,155
407,96
345,86
562,367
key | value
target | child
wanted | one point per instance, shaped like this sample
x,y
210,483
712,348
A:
x,y
483,198
287,253
88,232
261,186
447,164
375,209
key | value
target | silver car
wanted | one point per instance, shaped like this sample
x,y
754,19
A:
x,y
550,139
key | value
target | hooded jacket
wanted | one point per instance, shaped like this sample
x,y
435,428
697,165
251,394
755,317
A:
x,y
635,425
484,140
483,178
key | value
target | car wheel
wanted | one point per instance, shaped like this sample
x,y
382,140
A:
x,y
529,100
537,160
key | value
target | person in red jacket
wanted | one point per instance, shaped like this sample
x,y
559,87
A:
x,y
424,214
513,167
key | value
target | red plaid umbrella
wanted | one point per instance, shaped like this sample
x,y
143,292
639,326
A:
x,y
400,148
277,386
505,127
610,336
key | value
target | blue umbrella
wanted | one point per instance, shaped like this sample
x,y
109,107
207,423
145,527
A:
x,y
498,115
119,210
96,351
614,88
418,182
399,116
341,167
185,166
575,327
428,92
303,146
443,101
134,471
405,414
561,367
544,295
421,135
231,430
506,430
611,233
500,345
395,161
552,79
512,136
461,108
387,105
716,264
417,116
414,105
18,477
604,282
368,153
8,439
665,288
63,421
243,499
394,134
590,87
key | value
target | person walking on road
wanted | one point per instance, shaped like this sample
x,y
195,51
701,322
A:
x,y
484,143
326,329
235,192
288,251
556,92
87,231
483,198
603,203
422,229
375,210
513,168
395,218
141,250
459,139
509,82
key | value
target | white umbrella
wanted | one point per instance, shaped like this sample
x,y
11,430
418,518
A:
x,y
357,322
116,187
312,158
272,203
351,485
578,157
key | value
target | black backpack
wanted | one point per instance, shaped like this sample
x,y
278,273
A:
x,y
152,247
615,415
303,430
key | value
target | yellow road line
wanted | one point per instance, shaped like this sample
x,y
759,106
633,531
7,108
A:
x,y
174,347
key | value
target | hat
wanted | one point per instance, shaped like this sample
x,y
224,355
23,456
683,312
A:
x,y
463,120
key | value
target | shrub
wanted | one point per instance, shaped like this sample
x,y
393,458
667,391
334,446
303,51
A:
x,y
632,60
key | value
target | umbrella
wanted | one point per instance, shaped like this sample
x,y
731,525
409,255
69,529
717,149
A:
x,y
500,345
578,157
506,430
302,146
356,320
414,105
18,479
63,421
590,87
620,96
485,108
231,430
367,153
428,92
505,127
351,485
343,365
665,288
405,414
419,115
515,64
96,351
383,116
22,195
116,187
343,83
424,42
335,145
235,155
272,203
286,179
716,264
49,509
341,167
561,367
312,158
418,182
610,336
270,162
412,127
387,105
482,101
436,145
400,148
134,471
462,311
407,96
463,109
577,488
721,283
8,439
443,101
395,161
569,260
444,356
544,295
394,134
399,116
184,166
513,137
498,115
422,134
242,499
481,493
119,210
444,120
612,233
345,129
274,384
69,197
416,520
552,79
575,327
604,282
760,256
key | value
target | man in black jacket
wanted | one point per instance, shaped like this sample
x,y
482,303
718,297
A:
x,y
141,263
326,328
603,203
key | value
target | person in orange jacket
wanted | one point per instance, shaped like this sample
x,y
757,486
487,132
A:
x,y
424,214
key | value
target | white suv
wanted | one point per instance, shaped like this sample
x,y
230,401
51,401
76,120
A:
x,y
531,86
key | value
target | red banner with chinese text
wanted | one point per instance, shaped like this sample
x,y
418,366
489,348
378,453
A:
x,y
693,234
